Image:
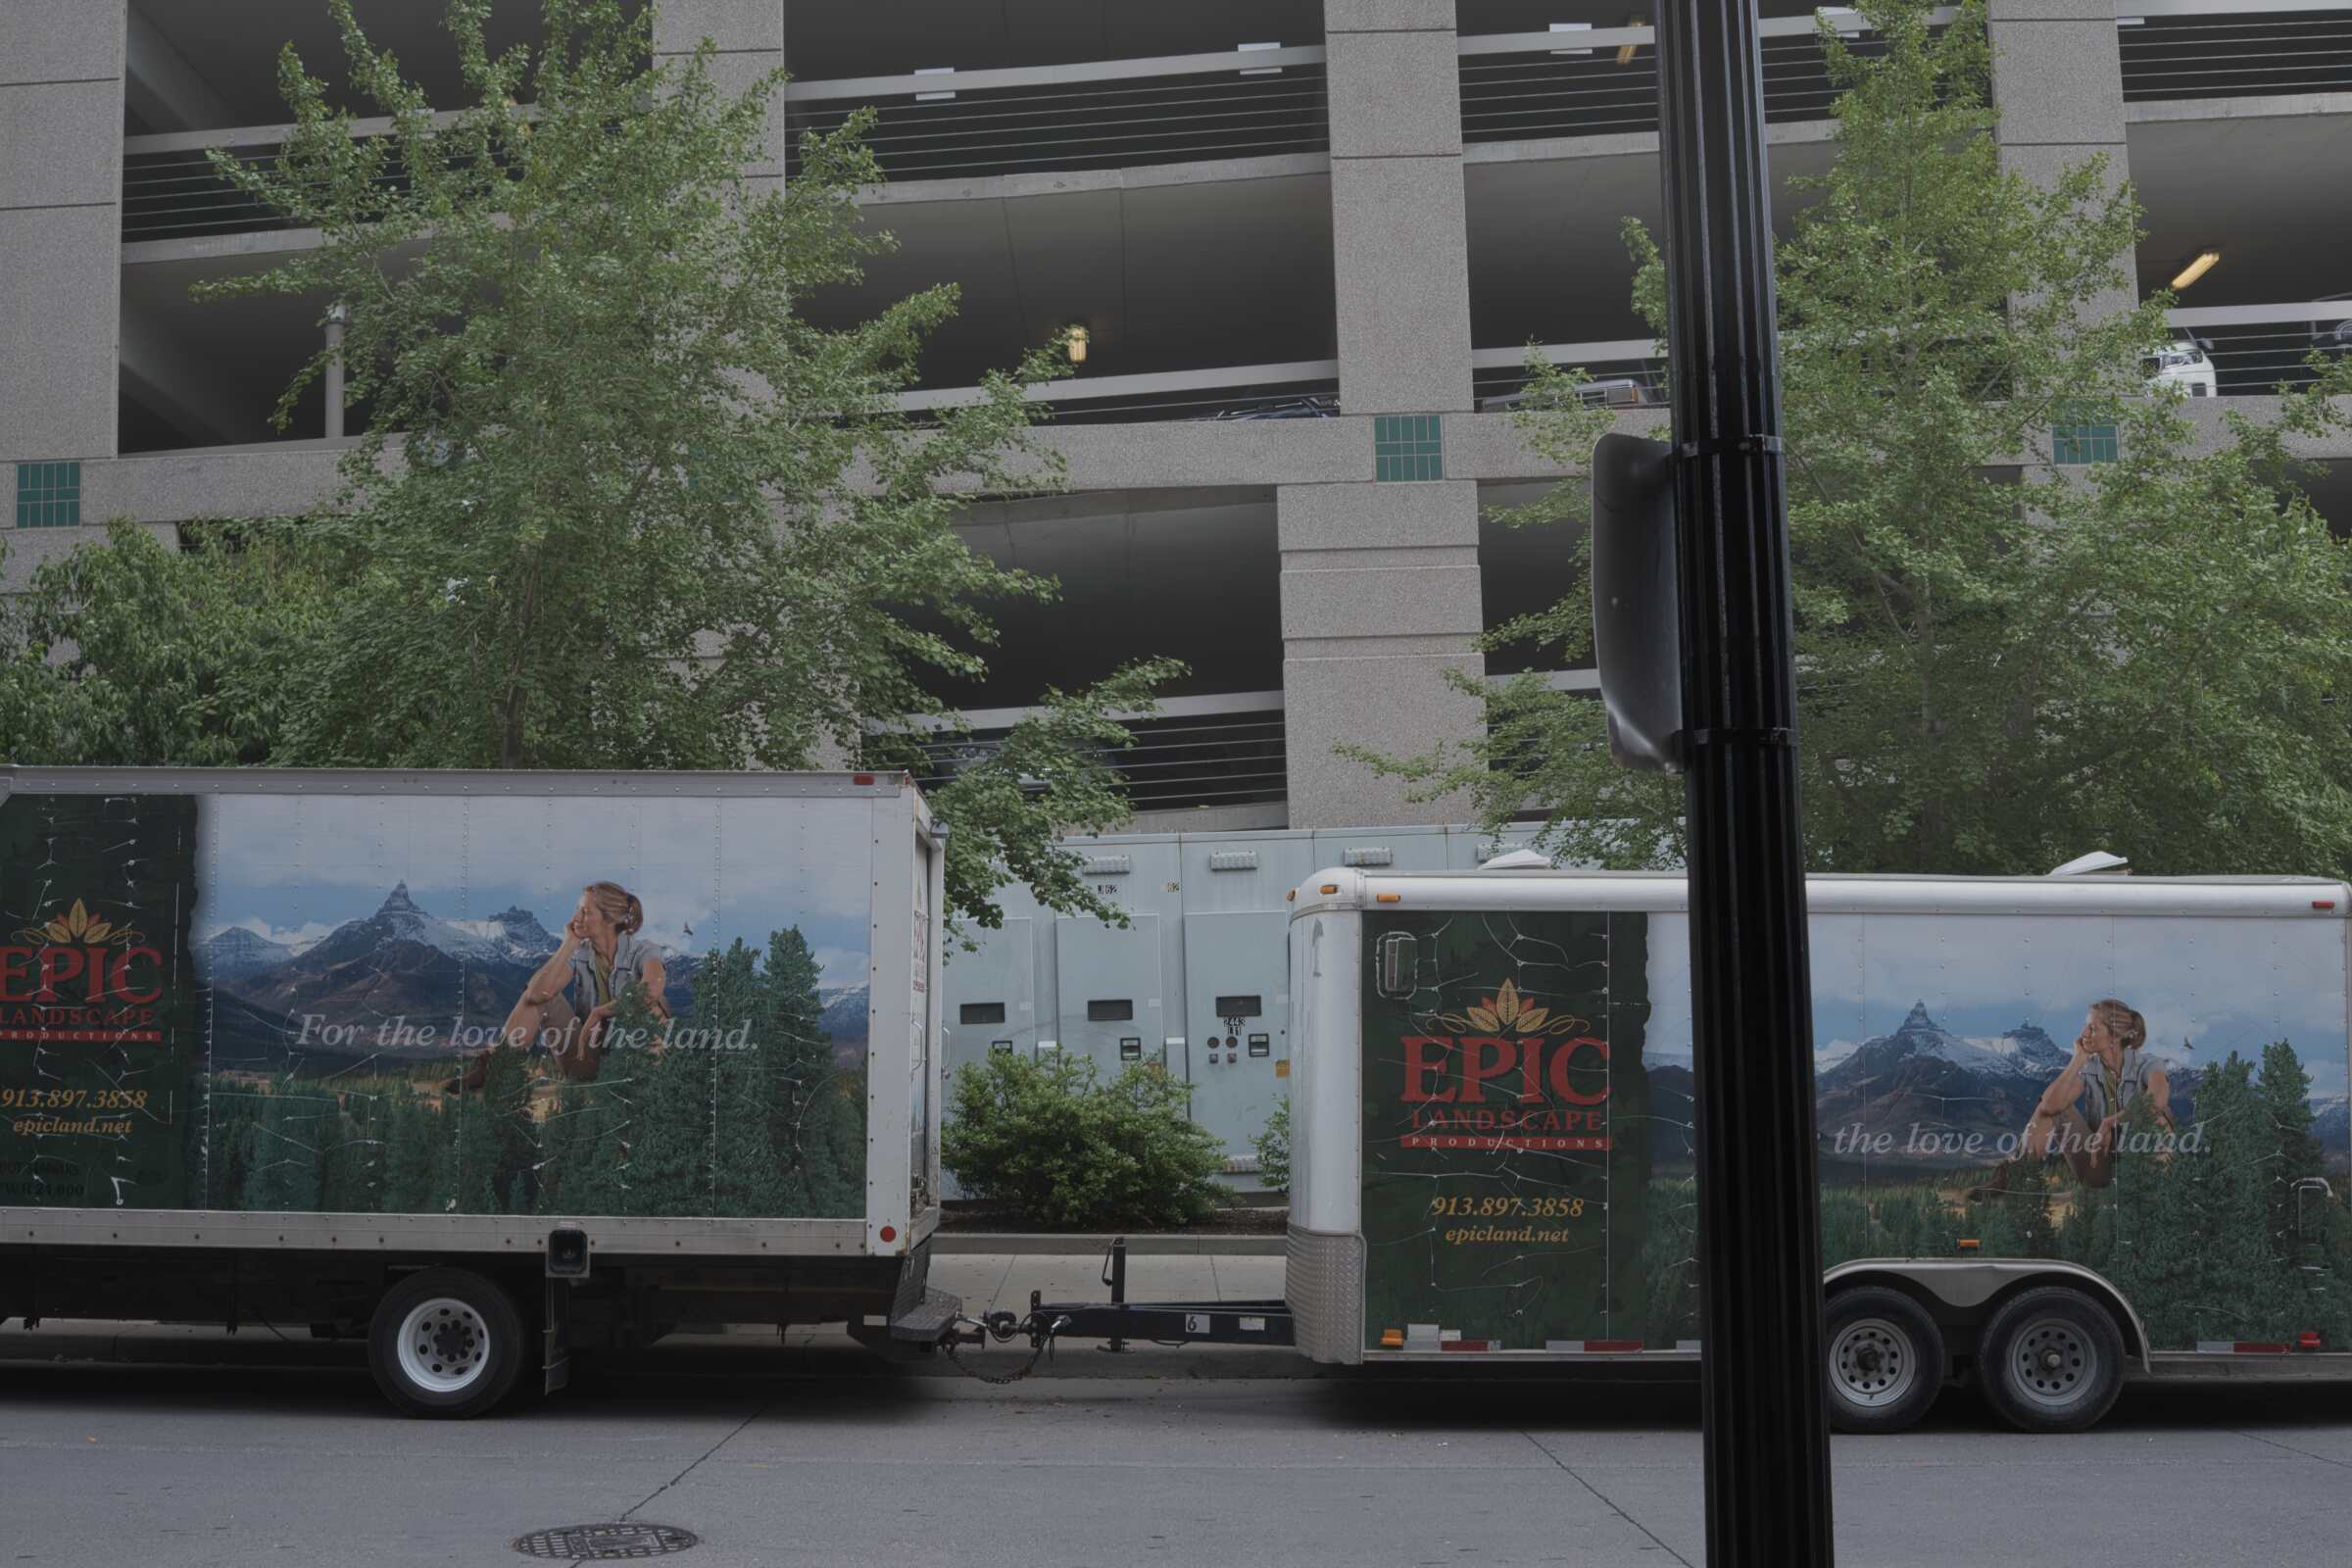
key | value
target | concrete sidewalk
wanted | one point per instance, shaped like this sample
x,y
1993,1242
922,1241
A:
x,y
1002,1281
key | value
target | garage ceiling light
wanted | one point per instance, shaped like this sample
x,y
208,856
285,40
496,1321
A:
x,y
2197,268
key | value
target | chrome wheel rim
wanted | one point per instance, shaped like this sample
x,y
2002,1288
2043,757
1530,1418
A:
x,y
444,1346
2053,1364
1873,1363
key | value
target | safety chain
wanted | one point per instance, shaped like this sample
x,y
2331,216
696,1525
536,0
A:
x,y
1003,1326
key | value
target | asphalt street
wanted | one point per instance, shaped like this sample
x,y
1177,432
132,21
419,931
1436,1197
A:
x,y
816,1454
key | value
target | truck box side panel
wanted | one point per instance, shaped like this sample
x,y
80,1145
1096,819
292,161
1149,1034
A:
x,y
403,1010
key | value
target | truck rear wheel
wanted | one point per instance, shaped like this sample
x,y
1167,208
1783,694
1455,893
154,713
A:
x,y
1884,1362
2052,1360
446,1342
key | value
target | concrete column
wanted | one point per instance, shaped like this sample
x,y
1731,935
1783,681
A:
x,y
749,35
2057,79
61,227
1380,598
1380,593
1401,261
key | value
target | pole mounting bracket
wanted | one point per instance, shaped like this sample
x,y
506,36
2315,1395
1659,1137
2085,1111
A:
x,y
1776,736
1743,446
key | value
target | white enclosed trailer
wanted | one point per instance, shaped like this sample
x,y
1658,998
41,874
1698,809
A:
x,y
2072,1129
481,1065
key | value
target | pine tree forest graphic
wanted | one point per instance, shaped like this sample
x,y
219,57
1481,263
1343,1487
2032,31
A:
x,y
2245,1239
765,1122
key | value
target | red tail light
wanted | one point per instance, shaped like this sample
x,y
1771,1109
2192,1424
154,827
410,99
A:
x,y
2308,1340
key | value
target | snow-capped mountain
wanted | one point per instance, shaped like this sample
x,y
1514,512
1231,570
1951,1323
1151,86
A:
x,y
844,1018
2030,1047
403,963
2332,1122
516,932
236,951
1922,1075
399,919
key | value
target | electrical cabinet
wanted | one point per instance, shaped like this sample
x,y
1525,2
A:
x,y
992,994
1204,956
1237,1020
1109,989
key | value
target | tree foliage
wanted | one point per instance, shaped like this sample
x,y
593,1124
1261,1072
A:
x,y
1049,1140
621,502
2001,661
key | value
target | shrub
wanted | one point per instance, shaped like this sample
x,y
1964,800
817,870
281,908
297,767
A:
x,y
1049,1140
1274,1150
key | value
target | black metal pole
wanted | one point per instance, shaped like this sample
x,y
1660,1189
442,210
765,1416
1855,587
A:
x,y
1759,1245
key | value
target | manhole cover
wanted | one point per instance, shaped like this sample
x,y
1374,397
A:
x,y
622,1542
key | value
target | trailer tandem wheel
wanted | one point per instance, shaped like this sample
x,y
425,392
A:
x,y
2051,1361
1884,1359
446,1343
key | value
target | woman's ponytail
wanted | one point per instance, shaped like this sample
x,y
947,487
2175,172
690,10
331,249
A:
x,y
617,905
2129,1029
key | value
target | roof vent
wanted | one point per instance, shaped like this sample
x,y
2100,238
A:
x,y
1109,865
2096,861
1368,854
1233,861
1518,860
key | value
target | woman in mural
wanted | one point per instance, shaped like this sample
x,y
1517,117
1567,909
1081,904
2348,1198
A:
x,y
2084,1106
568,1005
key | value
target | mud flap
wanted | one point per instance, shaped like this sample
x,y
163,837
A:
x,y
556,1336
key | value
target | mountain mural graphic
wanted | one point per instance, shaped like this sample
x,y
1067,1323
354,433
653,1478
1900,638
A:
x,y
402,962
1922,1075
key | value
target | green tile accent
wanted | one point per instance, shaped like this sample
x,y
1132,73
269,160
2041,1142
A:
x,y
1407,446
2078,437
48,495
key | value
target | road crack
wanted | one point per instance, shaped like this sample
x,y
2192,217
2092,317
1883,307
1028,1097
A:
x,y
1605,1502
732,1434
2291,1448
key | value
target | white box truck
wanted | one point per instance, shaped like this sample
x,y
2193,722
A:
x,y
2072,1129
481,1066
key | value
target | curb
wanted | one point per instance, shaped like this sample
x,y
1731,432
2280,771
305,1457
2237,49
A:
x,y
1074,1245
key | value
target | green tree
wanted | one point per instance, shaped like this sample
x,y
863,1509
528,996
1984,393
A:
x,y
816,1113
619,502
1273,1147
282,1176
2145,654
1047,1140
136,653
670,1094
413,1155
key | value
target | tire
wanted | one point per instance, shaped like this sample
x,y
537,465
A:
x,y
2051,1361
446,1343
1883,1359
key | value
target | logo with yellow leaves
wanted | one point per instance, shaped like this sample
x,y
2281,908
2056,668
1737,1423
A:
x,y
1507,1013
77,927
80,977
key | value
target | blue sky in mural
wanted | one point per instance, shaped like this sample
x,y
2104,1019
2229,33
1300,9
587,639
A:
x,y
2206,987
708,872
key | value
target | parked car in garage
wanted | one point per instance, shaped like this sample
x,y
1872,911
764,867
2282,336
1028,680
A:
x,y
2333,336
2182,362
1315,405
1616,392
